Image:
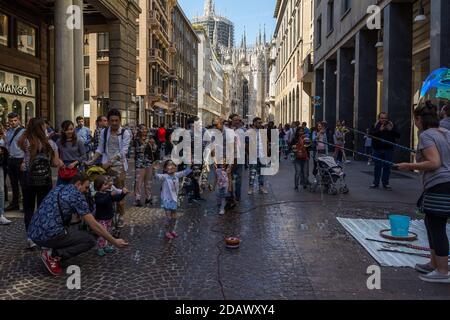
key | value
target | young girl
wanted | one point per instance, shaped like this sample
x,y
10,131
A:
x,y
223,186
169,194
104,198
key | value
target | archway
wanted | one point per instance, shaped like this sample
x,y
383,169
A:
x,y
17,107
298,107
29,111
3,111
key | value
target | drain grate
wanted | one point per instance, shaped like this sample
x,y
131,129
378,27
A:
x,y
394,175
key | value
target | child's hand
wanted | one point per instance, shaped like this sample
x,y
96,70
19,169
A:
x,y
120,243
125,191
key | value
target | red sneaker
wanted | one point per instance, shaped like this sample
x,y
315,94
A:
x,y
53,264
174,234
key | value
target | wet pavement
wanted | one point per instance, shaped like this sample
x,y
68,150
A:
x,y
292,248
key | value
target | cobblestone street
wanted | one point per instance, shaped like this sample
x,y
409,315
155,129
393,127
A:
x,y
292,248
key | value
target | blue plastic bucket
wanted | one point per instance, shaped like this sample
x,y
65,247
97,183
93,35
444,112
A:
x,y
399,225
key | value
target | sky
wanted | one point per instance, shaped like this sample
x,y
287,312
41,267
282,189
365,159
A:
x,y
249,13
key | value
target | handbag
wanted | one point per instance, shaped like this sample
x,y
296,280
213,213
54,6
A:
x,y
66,173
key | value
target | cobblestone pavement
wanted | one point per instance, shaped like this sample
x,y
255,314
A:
x,y
292,248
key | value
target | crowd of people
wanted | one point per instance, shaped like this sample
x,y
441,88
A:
x,y
92,171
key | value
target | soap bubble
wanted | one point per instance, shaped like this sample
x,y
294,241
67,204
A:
x,y
437,85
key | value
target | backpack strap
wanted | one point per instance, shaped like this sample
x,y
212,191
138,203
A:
x,y
16,132
105,137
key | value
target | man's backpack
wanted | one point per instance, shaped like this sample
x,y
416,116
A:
x,y
40,172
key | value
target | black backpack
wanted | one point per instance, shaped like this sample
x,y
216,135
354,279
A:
x,y
40,172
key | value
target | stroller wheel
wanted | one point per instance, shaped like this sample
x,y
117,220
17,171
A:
x,y
332,190
345,190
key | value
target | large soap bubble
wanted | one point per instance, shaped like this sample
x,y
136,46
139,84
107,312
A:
x,y
437,86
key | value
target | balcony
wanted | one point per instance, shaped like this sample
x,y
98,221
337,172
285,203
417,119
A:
x,y
154,19
155,93
103,55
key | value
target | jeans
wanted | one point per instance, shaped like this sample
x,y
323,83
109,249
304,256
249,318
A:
x,y
32,199
382,169
69,245
2,194
255,169
16,178
301,172
237,181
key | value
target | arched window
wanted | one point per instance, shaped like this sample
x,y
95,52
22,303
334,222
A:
x,y
29,111
17,107
3,110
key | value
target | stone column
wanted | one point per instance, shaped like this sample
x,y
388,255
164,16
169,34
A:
x,y
345,91
318,92
397,74
440,34
365,104
330,87
345,85
64,77
78,43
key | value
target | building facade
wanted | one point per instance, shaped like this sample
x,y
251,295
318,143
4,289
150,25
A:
x,y
42,72
363,66
294,47
185,67
210,80
219,29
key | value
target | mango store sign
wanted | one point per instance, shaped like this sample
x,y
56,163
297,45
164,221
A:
x,y
13,89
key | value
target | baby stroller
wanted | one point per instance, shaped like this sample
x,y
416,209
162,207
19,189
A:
x,y
330,177
93,173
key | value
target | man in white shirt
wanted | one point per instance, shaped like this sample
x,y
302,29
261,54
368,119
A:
x,y
113,145
255,169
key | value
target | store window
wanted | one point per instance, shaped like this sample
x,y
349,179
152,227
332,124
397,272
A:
x,y
26,38
2,77
16,80
17,107
29,111
3,110
3,29
103,41
29,86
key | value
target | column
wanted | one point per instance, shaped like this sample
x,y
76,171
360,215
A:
x,y
440,34
365,104
318,92
78,43
397,74
345,85
345,91
330,92
64,64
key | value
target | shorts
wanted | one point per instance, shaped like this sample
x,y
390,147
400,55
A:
x,y
169,204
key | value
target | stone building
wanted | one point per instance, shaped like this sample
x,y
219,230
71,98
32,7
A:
x,y
363,66
41,57
293,39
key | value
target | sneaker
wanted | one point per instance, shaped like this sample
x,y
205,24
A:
x,y
4,221
169,235
347,161
435,277
30,244
121,223
424,268
296,188
374,186
174,234
138,204
101,252
387,187
53,265
110,249
263,190
250,192
368,163
149,202
222,212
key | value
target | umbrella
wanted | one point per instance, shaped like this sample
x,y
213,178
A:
x,y
437,85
